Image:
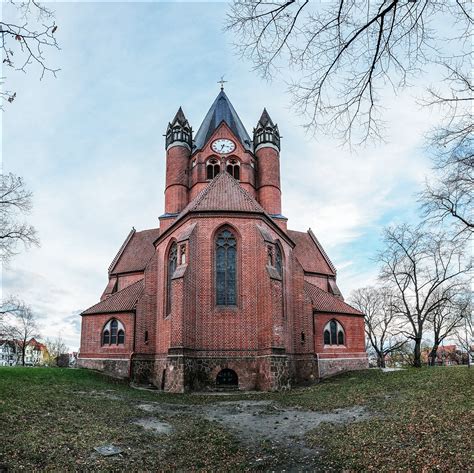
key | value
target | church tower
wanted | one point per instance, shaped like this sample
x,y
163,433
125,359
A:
x,y
266,142
179,141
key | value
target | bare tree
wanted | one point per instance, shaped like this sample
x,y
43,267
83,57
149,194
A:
x,y
15,200
444,320
425,270
465,332
343,53
22,326
450,194
25,38
381,325
56,347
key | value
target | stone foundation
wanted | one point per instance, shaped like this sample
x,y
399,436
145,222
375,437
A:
x,y
304,370
332,366
178,373
117,368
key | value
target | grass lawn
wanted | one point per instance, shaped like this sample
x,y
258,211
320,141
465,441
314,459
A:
x,y
417,420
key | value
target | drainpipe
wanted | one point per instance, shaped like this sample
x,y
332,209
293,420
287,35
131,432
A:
x,y
133,344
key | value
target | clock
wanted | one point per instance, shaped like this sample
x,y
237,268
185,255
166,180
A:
x,y
223,146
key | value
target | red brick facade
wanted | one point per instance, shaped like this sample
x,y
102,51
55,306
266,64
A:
x,y
176,335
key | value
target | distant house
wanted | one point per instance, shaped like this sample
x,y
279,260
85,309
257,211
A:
x,y
446,355
36,353
8,353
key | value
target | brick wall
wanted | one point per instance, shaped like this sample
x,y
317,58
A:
x,y
269,194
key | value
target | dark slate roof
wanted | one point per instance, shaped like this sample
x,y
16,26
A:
x,y
179,117
310,254
135,252
323,301
265,119
122,301
223,193
221,110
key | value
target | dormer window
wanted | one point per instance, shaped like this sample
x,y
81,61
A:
x,y
233,168
213,168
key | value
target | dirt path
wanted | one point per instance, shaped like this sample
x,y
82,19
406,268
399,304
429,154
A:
x,y
275,432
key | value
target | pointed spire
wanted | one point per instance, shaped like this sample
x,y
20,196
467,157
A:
x,y
265,119
179,130
266,131
180,118
221,111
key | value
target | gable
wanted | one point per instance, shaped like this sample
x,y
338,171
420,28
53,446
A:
x,y
223,193
136,252
311,255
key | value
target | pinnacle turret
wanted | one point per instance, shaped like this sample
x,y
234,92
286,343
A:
x,y
266,131
179,130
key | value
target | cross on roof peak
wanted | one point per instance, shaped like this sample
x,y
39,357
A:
x,y
222,82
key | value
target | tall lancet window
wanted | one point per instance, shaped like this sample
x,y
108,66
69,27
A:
x,y
172,260
278,260
226,268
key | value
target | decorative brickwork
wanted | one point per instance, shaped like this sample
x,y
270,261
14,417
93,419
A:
x,y
251,317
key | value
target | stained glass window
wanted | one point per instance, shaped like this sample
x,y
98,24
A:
x,y
333,333
226,268
172,261
278,260
113,332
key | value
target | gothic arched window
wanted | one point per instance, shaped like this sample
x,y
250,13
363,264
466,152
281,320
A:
x,y
334,333
172,261
233,168
278,260
113,333
213,168
226,268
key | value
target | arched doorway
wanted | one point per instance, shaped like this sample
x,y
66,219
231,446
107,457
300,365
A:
x,y
227,378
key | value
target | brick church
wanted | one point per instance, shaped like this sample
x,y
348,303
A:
x,y
222,294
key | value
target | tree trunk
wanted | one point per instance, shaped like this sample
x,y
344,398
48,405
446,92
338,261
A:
x,y
381,361
433,355
417,353
23,350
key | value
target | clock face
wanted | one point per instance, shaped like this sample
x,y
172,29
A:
x,y
223,146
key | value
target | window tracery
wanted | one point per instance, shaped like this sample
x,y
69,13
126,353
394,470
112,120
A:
x,y
113,333
334,333
226,268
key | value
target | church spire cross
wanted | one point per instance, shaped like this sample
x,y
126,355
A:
x,y
222,82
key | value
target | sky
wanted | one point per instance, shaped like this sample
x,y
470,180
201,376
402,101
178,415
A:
x,y
90,146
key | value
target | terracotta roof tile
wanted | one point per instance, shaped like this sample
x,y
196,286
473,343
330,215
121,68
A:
x,y
309,254
223,193
122,301
136,253
324,302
